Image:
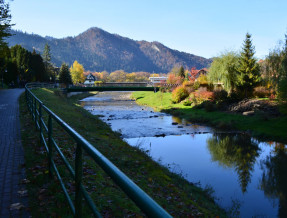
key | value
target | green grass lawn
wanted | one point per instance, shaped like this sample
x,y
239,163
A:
x,y
176,195
262,126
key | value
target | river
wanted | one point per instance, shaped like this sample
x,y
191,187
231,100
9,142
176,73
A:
x,y
246,177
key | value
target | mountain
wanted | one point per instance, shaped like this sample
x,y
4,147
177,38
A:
x,y
98,50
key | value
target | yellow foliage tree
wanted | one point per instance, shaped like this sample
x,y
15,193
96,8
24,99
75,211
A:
x,y
202,79
77,73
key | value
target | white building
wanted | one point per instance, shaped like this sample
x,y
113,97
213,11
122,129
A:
x,y
90,80
158,80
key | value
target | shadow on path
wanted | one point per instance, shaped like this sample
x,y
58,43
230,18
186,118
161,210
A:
x,y
13,198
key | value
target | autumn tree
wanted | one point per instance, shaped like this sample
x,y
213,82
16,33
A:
x,y
118,76
142,76
176,75
131,77
223,70
104,76
248,70
77,73
65,75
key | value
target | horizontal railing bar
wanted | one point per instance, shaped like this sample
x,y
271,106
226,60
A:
x,y
37,123
64,188
90,202
44,125
71,170
44,141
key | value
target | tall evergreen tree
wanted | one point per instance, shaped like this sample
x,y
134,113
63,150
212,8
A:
x,y
181,72
248,70
38,67
47,56
5,26
65,75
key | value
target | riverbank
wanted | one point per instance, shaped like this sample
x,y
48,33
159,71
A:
x,y
173,193
259,125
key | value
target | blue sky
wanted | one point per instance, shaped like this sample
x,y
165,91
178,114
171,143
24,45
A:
x,y
205,28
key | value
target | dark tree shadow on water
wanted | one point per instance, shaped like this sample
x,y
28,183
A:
x,y
235,150
274,177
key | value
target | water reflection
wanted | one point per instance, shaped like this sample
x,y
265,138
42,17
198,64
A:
x,y
274,177
235,150
236,166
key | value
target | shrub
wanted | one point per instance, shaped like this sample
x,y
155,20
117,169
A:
x,y
203,94
98,83
209,106
220,95
234,97
188,85
200,95
272,97
173,79
196,85
187,102
179,94
261,92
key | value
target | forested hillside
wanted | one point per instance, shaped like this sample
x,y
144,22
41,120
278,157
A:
x,y
99,50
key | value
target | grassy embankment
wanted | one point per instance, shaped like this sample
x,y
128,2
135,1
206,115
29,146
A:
x,y
267,128
177,196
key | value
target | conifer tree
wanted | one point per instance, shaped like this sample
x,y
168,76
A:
x,y
5,26
248,70
65,75
47,56
181,72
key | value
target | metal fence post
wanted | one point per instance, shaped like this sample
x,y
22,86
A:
x,y
78,180
34,109
36,114
50,153
40,121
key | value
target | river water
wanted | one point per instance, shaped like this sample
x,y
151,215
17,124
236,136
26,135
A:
x,y
247,177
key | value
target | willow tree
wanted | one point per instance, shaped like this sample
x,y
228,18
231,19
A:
x,y
223,70
248,70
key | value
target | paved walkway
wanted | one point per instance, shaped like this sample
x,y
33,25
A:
x,y
12,171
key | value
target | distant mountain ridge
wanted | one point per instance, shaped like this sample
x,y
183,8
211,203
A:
x,y
99,50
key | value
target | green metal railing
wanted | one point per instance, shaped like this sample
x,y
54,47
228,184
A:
x,y
141,199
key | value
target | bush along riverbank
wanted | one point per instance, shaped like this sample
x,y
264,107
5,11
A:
x,y
179,197
266,126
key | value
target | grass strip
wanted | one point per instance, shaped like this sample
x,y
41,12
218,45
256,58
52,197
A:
x,y
179,197
259,125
